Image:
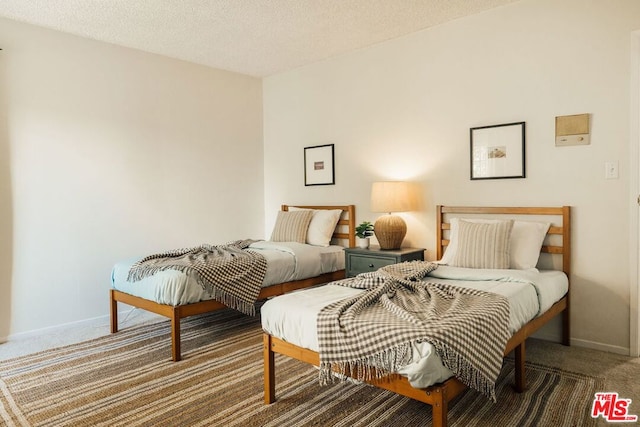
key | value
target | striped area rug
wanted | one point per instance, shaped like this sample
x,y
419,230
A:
x,y
127,379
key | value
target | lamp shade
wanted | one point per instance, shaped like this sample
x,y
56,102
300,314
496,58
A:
x,y
392,196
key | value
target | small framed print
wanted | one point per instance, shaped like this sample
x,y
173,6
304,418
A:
x,y
318,165
498,151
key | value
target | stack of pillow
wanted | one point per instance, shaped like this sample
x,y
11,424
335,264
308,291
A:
x,y
311,226
481,243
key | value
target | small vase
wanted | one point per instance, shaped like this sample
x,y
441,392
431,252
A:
x,y
363,242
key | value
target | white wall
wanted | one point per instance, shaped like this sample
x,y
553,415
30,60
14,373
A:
x,y
110,153
403,109
6,234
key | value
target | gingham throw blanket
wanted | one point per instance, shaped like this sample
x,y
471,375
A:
x,y
229,273
369,336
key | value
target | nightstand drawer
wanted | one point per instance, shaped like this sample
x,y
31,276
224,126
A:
x,y
359,260
364,264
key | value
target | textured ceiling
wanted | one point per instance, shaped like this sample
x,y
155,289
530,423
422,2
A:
x,y
254,37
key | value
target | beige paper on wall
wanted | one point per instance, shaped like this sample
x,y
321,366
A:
x,y
572,130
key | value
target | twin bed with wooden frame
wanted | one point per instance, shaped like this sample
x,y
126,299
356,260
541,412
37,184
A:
x,y
344,232
557,243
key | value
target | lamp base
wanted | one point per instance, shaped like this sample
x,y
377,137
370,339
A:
x,y
390,231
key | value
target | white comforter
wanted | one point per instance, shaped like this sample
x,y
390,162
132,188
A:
x,y
286,261
292,317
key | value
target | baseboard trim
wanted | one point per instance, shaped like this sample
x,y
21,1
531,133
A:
x,y
593,345
85,323
625,351
124,317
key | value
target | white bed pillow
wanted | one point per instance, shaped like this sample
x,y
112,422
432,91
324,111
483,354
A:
x,y
482,245
291,226
525,242
323,224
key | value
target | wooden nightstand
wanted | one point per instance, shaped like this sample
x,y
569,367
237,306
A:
x,y
359,260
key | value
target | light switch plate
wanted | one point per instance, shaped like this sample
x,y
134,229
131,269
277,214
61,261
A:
x,y
611,170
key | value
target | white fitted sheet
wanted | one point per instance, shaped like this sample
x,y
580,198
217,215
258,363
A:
x,y
292,317
286,261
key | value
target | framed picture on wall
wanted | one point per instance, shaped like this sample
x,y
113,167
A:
x,y
319,165
498,151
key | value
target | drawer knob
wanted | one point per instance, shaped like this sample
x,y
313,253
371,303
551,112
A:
x,y
370,265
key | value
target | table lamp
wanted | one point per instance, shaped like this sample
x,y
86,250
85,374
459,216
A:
x,y
389,197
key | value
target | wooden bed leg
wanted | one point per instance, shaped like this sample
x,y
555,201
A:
x,y
439,409
566,327
519,368
114,312
175,335
269,371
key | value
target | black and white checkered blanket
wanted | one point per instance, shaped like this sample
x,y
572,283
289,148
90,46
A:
x,y
230,273
369,336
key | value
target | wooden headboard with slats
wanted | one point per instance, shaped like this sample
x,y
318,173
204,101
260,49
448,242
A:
x,y
560,218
